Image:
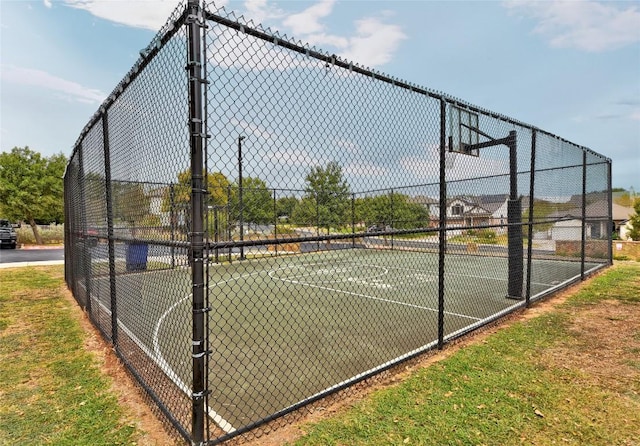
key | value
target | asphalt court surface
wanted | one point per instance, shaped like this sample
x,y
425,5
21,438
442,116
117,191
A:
x,y
283,329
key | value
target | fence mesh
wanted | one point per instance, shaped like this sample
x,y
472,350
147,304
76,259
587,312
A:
x,y
336,221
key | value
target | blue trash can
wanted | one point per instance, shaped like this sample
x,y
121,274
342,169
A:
x,y
137,256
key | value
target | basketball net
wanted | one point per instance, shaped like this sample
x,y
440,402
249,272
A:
x,y
450,160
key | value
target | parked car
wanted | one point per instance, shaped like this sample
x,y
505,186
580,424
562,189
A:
x,y
8,235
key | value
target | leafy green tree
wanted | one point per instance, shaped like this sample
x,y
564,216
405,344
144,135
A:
x,y
392,209
177,198
305,212
218,187
53,189
627,198
31,187
635,222
330,192
257,202
130,202
285,206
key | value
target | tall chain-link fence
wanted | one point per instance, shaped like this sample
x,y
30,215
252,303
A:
x,y
255,224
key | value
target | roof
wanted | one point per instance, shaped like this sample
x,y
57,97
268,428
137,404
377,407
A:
x,y
598,209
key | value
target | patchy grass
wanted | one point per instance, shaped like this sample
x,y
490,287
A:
x,y
51,388
569,376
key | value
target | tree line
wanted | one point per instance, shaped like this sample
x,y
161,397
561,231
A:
x,y
326,201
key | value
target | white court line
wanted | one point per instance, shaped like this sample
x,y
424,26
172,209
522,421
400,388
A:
x,y
366,296
157,357
455,274
216,417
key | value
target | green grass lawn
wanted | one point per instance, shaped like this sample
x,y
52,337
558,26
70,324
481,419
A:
x,y
570,375
52,390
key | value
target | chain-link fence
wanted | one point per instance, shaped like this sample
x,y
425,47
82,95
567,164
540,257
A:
x,y
255,225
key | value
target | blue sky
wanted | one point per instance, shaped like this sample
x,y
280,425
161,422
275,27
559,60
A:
x,y
571,68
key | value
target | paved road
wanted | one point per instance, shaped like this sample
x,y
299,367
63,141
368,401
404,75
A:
x,y
20,257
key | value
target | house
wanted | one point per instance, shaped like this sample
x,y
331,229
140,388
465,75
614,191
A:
x,y
621,216
597,220
468,210
432,205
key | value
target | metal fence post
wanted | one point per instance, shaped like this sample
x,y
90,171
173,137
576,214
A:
x,y
275,221
110,241
609,215
514,219
391,223
583,241
317,222
86,253
228,218
442,230
532,189
240,196
194,67
353,220
172,222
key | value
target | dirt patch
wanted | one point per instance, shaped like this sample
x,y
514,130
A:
x,y
604,347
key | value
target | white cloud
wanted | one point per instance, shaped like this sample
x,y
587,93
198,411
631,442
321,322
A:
x,y
365,169
327,39
293,157
307,21
47,3
260,11
584,25
458,167
635,116
148,14
374,43
253,129
233,50
37,78
348,146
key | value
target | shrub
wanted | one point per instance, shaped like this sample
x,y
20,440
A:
x,y
51,235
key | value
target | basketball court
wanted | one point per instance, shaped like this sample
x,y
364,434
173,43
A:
x,y
280,324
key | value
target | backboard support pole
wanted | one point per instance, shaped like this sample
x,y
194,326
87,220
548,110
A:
x,y
514,211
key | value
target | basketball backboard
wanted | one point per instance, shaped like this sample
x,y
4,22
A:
x,y
464,130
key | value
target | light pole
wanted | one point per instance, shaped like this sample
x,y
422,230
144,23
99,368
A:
x,y
240,203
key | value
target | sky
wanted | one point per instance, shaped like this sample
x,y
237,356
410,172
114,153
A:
x,y
571,68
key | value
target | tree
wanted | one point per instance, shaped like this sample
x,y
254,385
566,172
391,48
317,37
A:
x,y
257,202
392,209
31,187
217,185
130,202
635,223
177,198
285,206
327,197
626,198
